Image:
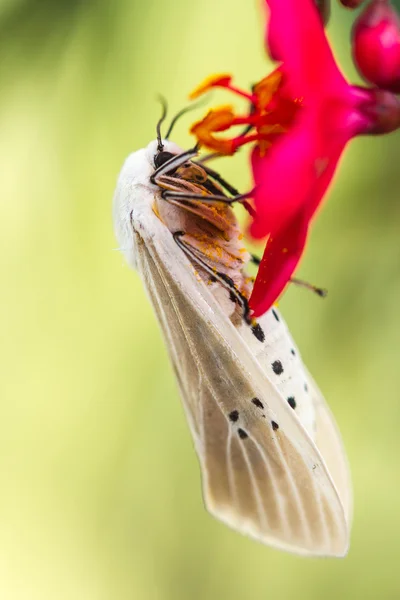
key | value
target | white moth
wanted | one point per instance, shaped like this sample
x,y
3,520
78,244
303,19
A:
x,y
271,458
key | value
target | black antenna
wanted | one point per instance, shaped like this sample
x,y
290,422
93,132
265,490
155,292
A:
x,y
160,145
183,112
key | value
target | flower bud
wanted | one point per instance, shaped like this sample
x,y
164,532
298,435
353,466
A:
x,y
351,3
382,109
376,45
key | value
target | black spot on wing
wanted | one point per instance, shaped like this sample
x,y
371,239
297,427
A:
x,y
257,403
277,367
233,416
292,402
275,425
242,434
305,387
258,332
293,352
275,314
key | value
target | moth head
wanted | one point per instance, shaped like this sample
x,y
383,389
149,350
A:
x,y
157,157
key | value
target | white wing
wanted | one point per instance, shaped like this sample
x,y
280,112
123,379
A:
x,y
270,483
330,445
298,388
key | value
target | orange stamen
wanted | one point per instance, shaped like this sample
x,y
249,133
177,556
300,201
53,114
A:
x,y
219,119
221,80
271,113
266,89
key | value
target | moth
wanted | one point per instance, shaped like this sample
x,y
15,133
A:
x,y
271,458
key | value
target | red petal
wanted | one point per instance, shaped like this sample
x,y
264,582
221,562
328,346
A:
x,y
281,256
284,176
295,36
284,248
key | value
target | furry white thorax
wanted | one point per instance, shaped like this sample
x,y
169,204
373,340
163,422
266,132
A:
x,y
135,193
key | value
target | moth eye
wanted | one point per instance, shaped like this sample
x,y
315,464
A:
x,y
161,158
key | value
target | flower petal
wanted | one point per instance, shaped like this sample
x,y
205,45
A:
x,y
284,176
281,256
286,244
295,36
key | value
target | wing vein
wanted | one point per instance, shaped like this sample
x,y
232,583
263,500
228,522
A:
x,y
295,492
231,472
274,484
256,490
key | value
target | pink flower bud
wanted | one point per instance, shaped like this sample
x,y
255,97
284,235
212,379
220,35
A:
x,y
351,3
376,45
382,109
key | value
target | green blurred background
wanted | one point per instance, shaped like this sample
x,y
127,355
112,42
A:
x,y
100,492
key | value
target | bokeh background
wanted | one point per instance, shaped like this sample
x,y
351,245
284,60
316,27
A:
x,y
100,491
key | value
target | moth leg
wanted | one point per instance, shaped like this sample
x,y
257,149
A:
x,y
322,292
223,279
255,259
217,177
177,161
228,187
226,282
182,197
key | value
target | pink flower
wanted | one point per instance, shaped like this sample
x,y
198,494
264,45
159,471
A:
x,y
303,115
376,45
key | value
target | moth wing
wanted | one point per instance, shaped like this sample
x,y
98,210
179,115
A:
x,y
330,445
270,484
297,385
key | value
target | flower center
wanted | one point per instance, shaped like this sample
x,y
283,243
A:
x,y
271,113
